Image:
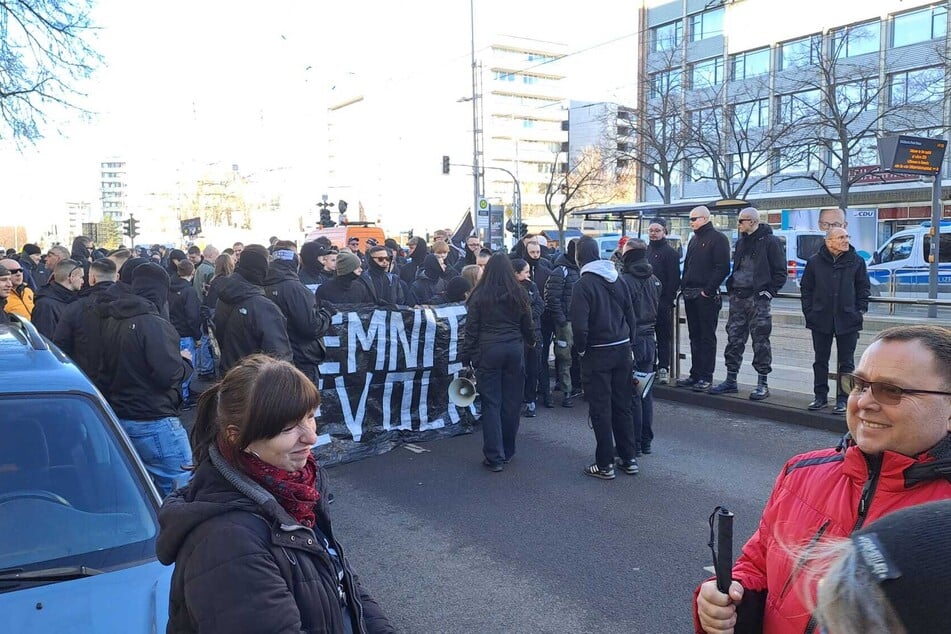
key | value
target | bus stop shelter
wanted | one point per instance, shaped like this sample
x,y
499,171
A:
x,y
634,219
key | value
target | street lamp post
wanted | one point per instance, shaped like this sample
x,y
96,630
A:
x,y
475,117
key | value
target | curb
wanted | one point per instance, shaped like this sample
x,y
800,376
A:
x,y
783,407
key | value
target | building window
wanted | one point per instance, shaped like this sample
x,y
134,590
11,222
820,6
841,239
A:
x,y
705,25
801,159
664,83
706,73
857,39
930,23
701,168
503,76
529,79
749,164
799,106
916,86
750,64
857,96
864,152
798,53
667,36
751,114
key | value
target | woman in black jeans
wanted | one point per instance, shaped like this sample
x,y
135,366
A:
x,y
523,275
498,326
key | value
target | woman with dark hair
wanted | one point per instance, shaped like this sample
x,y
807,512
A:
x,y
499,321
250,536
523,273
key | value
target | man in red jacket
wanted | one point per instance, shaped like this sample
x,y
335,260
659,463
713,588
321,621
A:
x,y
897,454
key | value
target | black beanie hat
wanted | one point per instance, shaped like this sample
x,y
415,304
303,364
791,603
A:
x,y
586,251
908,553
176,254
457,288
570,252
309,252
151,282
253,264
125,273
31,249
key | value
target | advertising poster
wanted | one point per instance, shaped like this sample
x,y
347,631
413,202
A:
x,y
862,225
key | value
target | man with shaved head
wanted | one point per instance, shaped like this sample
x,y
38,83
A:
x,y
52,299
759,272
705,267
20,298
835,291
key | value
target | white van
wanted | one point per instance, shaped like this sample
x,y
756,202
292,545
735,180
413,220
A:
x,y
901,264
799,245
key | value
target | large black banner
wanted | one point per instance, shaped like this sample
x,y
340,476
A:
x,y
385,380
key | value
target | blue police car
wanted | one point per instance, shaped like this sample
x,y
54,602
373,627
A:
x,y
78,512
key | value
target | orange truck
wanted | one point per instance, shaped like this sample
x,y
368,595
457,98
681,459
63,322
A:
x,y
340,235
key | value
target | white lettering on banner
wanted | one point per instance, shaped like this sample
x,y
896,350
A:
x,y
430,338
331,343
451,314
406,402
424,422
409,345
354,421
376,330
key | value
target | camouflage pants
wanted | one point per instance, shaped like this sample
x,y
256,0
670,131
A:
x,y
749,317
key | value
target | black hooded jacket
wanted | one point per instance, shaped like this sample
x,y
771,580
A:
x,y
78,332
388,287
142,367
49,304
184,308
431,279
765,257
246,322
645,289
561,282
666,265
305,323
243,564
346,289
409,270
312,273
601,311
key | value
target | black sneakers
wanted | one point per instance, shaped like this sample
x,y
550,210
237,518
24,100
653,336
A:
x,y
628,466
597,472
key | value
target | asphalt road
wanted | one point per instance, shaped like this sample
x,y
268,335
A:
x,y
447,546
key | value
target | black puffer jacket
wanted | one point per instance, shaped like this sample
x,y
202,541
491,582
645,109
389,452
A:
x,y
561,282
708,260
645,289
242,564
142,367
767,259
305,323
49,304
835,292
246,321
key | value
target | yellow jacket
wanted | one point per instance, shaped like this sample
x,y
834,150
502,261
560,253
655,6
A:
x,y
20,302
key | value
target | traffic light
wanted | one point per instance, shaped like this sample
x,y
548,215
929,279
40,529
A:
x,y
131,227
445,164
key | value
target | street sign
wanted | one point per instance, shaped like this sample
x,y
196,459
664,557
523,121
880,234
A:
x,y
912,154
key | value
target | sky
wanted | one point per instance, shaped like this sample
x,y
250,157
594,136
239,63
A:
x,y
233,82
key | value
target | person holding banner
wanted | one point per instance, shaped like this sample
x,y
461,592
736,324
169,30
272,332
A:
x,y
498,323
251,537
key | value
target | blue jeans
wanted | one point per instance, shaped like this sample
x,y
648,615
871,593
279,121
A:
x,y
163,446
204,362
188,343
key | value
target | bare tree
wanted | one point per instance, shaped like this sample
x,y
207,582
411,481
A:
x,y
840,98
44,55
589,181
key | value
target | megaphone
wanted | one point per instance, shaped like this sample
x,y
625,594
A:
x,y
462,392
643,381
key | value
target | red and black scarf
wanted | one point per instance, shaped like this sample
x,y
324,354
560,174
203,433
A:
x,y
296,491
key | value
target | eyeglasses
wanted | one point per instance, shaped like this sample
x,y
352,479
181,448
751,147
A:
x,y
825,226
692,218
742,220
884,393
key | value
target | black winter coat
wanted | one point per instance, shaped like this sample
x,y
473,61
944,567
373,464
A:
x,y
708,260
345,289
246,322
835,292
601,310
78,332
211,297
243,564
561,282
142,367
494,322
666,265
536,302
49,304
768,259
388,287
540,271
645,291
184,308
409,270
305,323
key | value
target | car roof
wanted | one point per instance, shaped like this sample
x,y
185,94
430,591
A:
x,y
31,364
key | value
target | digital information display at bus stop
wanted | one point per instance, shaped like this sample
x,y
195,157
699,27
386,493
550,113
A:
x,y
911,154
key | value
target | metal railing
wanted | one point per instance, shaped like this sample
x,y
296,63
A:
x,y
676,355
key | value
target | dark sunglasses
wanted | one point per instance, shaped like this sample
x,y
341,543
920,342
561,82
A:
x,y
15,271
382,259
884,393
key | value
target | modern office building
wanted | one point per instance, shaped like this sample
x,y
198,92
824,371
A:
x,y
780,103
112,188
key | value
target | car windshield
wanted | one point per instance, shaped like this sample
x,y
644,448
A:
x,y
808,246
70,494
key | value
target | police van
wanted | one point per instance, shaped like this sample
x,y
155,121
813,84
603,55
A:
x,y
902,263
799,245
